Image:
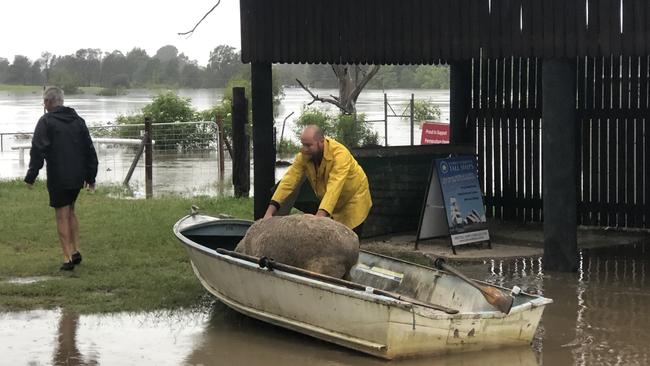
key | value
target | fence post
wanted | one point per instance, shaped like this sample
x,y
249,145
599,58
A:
x,y
385,120
148,159
412,117
241,178
219,121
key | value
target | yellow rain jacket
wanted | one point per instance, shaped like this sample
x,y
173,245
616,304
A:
x,y
340,183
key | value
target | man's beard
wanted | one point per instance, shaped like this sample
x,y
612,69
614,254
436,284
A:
x,y
317,157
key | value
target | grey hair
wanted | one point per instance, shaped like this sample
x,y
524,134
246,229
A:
x,y
54,94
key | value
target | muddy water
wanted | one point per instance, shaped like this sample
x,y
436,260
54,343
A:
x,y
598,318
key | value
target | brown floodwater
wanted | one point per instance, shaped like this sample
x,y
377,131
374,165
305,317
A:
x,y
597,318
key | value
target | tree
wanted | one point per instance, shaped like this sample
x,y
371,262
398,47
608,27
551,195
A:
x,y
46,62
4,69
351,81
137,60
19,71
35,73
224,64
166,53
191,76
89,61
114,64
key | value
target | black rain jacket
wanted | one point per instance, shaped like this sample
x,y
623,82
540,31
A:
x,y
62,139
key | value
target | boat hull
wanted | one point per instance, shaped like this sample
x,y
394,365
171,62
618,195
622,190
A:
x,y
378,325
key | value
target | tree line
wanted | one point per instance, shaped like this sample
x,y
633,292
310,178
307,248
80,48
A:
x,y
92,67
171,68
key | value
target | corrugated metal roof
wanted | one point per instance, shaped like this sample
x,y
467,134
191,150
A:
x,y
428,31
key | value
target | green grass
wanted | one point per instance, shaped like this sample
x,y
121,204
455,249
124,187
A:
x,y
21,88
131,259
39,89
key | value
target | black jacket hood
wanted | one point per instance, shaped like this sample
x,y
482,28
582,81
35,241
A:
x,y
64,114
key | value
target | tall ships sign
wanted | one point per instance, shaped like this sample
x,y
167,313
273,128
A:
x,y
454,203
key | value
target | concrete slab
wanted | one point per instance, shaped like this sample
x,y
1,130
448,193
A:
x,y
509,241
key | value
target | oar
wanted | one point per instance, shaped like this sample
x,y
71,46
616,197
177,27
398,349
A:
x,y
265,262
493,295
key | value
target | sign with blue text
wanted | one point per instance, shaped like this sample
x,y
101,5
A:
x,y
463,199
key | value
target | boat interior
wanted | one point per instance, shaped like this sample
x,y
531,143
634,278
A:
x,y
373,270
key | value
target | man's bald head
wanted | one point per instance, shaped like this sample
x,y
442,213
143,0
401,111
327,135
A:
x,y
312,140
313,132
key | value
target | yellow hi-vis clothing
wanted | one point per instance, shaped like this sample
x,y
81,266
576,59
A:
x,y
340,183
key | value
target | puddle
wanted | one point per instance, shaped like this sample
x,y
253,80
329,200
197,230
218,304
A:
x,y
28,280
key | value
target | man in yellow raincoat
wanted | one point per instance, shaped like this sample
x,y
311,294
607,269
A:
x,y
337,179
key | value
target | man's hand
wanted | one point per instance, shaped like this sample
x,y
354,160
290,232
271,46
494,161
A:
x,y
270,211
322,213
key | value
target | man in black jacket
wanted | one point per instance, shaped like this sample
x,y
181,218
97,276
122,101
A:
x,y
61,138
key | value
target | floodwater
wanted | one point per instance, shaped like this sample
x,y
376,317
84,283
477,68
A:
x,y
597,318
194,172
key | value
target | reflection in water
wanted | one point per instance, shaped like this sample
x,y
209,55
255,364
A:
x,y
598,314
597,318
66,352
234,339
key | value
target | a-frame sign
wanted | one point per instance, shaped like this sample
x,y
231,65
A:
x,y
453,204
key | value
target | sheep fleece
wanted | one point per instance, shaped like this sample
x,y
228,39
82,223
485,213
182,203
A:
x,y
305,241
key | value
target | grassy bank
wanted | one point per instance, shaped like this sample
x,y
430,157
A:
x,y
94,90
131,259
21,88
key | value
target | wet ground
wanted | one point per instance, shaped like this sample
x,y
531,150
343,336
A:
x,y
597,318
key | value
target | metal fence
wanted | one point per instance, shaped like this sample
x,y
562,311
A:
x,y
185,157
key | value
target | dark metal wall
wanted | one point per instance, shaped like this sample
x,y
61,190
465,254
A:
x,y
613,111
427,31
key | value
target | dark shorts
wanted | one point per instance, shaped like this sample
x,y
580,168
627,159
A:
x,y
63,197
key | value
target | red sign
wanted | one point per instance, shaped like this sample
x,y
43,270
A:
x,y
434,133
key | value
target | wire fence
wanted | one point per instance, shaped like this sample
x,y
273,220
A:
x,y
185,157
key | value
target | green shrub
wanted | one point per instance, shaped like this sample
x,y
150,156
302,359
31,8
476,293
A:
x,y
425,110
342,127
314,116
171,109
112,92
287,147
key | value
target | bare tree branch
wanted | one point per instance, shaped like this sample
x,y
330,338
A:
x,y
197,24
315,97
366,78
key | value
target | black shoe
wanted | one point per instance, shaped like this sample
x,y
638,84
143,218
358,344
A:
x,y
76,258
67,266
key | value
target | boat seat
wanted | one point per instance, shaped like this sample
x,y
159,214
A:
x,y
376,277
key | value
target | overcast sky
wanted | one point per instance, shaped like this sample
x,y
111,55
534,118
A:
x,y
30,27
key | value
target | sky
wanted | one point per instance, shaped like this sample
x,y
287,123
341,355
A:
x,y
30,27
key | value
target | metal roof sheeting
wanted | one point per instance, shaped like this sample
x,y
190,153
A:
x,y
428,31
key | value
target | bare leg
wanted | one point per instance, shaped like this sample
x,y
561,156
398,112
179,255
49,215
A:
x,y
74,230
63,228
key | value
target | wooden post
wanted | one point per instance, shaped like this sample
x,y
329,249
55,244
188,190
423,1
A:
x,y
559,166
241,178
148,159
263,139
460,98
134,163
219,121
